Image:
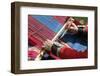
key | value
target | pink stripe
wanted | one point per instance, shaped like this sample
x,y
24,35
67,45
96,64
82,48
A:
x,y
44,31
38,24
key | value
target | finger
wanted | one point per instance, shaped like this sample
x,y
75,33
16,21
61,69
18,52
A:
x,y
68,25
74,25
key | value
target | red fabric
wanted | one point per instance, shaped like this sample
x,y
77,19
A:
x,y
32,54
68,53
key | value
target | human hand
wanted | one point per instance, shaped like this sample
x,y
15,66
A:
x,y
69,22
47,45
73,29
71,26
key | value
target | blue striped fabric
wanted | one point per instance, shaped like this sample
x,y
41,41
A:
x,y
49,21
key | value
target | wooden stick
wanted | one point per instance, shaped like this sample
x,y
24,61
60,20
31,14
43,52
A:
x,y
39,56
59,32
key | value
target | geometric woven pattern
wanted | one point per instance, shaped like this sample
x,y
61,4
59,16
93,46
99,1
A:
x,y
42,27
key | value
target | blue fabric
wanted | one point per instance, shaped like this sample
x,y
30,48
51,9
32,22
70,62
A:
x,y
75,42
49,21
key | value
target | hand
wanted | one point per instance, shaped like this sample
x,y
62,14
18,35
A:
x,y
47,45
71,26
69,22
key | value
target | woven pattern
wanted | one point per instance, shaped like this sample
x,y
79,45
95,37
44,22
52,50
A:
x,y
42,27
